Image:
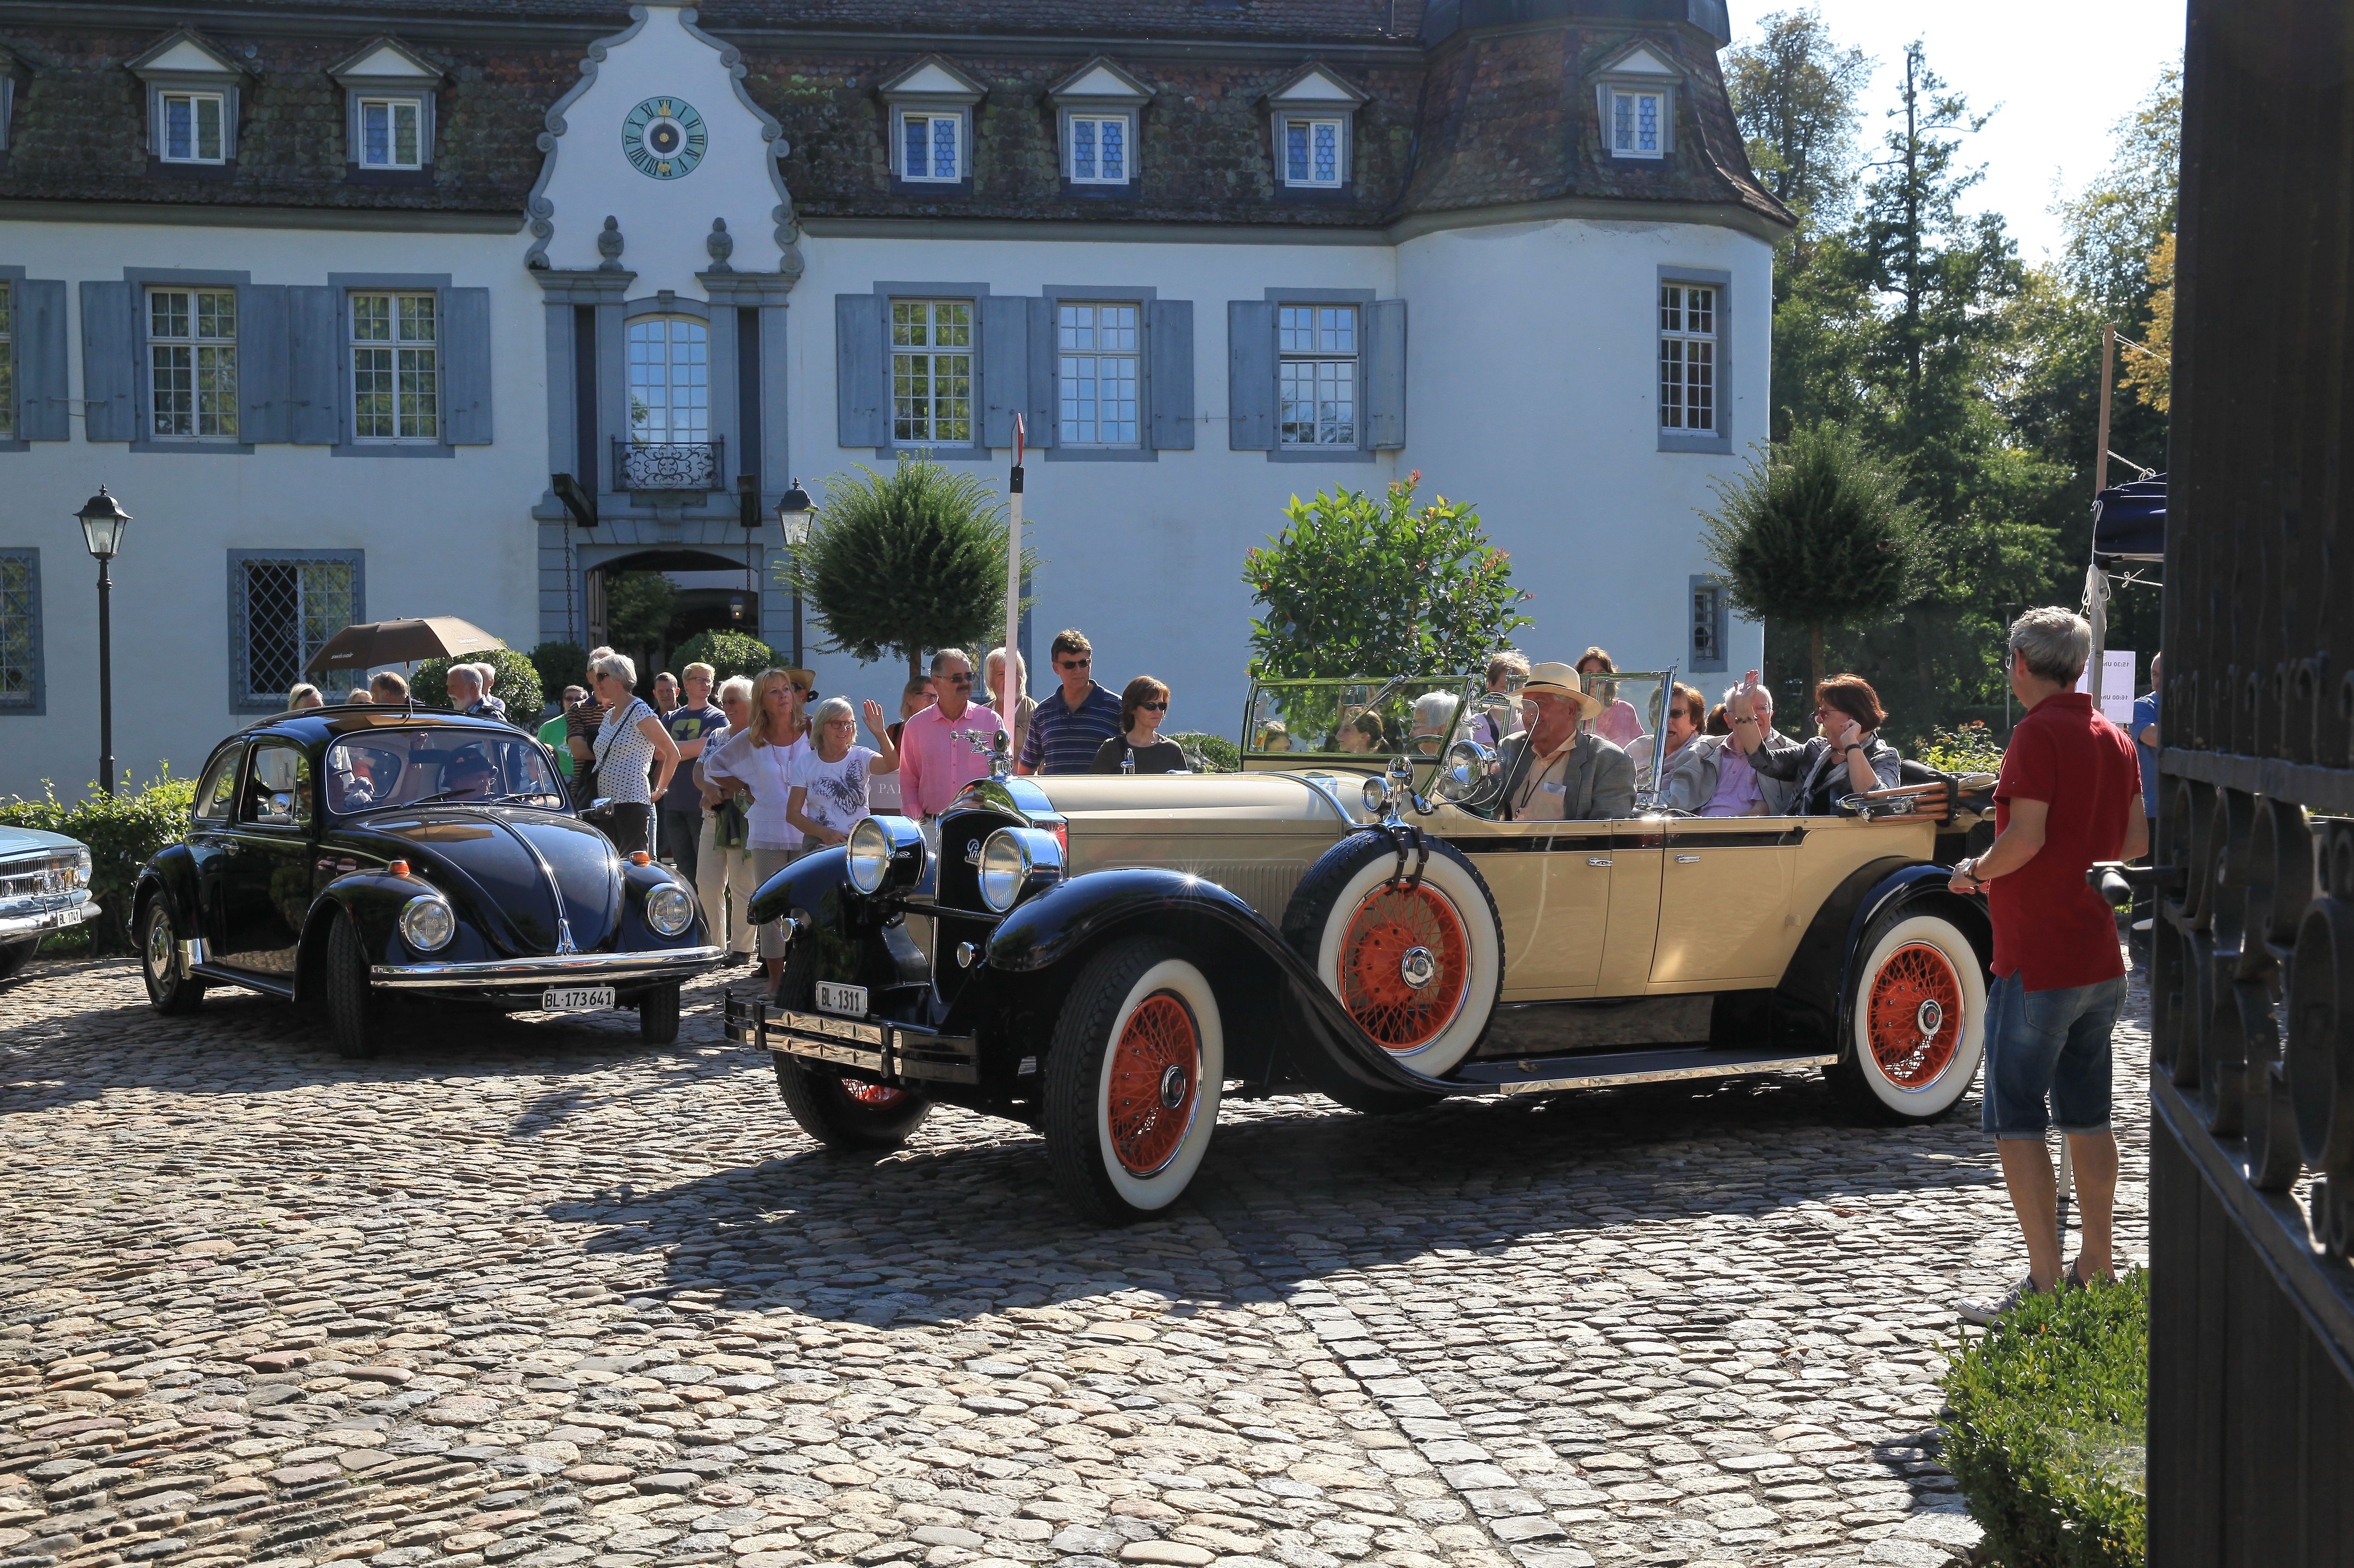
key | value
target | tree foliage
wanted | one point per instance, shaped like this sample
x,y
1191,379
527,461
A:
x,y
1363,585
559,664
1794,92
2151,373
728,654
517,683
638,607
2117,220
1816,534
903,562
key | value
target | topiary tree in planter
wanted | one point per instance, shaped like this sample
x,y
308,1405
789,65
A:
x,y
517,686
727,653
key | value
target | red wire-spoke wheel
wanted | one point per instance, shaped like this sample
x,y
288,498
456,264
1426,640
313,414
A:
x,y
1154,1080
1405,962
1915,1015
868,1094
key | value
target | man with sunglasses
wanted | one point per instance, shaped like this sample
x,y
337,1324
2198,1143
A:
x,y
937,755
1072,724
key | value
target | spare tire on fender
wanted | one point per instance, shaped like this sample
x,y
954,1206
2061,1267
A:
x,y
1417,966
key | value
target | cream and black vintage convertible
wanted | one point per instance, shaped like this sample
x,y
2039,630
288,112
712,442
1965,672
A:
x,y
1106,958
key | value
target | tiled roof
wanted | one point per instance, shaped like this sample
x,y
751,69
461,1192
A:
x,y
1483,118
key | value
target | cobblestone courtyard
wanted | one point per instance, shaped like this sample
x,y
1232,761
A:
x,y
526,1292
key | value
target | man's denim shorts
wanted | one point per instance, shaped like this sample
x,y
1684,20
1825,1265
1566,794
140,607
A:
x,y
2051,1043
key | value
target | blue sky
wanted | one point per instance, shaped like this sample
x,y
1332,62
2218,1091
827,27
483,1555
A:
x,y
2062,71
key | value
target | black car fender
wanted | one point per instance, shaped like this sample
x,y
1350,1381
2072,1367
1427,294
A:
x,y
855,940
374,900
1821,972
171,874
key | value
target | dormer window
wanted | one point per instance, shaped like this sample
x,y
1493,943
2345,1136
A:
x,y
194,127
192,101
1099,144
1314,122
388,133
1636,103
388,90
1099,104
928,116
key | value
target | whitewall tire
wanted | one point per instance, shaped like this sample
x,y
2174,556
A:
x,y
1916,1014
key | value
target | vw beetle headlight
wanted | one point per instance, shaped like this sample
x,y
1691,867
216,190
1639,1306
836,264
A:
x,y
670,909
870,854
1011,860
427,923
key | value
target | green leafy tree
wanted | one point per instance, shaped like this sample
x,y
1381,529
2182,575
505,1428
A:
x,y
2117,221
1816,535
517,686
1360,585
899,563
728,654
638,607
561,664
1794,93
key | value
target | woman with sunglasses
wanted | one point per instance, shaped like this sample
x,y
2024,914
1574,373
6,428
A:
x,y
1142,707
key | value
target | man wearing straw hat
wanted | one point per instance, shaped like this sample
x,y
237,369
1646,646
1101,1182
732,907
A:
x,y
1556,771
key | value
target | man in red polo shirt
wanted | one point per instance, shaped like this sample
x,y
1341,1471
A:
x,y
2069,795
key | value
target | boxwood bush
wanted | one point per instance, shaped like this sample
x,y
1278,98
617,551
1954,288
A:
x,y
518,684
2048,1408
730,653
1206,753
124,833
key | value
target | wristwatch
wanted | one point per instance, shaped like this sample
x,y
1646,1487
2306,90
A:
x,y
1969,868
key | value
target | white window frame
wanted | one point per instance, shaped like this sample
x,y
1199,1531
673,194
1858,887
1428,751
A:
x,y
209,355
1080,375
392,104
932,119
1632,93
1340,123
1682,348
1097,120
685,383
412,363
958,361
194,97
1325,366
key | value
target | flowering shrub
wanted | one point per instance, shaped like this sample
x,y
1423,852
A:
x,y
124,833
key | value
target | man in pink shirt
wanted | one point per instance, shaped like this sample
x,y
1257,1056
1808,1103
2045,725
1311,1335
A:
x,y
936,758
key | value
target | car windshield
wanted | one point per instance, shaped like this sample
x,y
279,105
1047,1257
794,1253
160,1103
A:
x,y
1369,721
409,767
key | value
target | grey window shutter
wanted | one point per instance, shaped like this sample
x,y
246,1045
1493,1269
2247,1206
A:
x,y
109,362
860,386
1004,366
1045,420
1250,375
42,412
1173,376
314,365
1385,377
466,368
262,349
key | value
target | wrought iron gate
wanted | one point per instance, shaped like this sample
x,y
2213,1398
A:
x,y
2252,1200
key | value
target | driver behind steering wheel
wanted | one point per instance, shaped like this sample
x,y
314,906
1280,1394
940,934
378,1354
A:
x,y
469,776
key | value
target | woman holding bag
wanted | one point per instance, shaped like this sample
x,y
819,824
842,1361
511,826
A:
x,y
758,763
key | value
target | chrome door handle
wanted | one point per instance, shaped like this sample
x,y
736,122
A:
x,y
1598,860
1686,859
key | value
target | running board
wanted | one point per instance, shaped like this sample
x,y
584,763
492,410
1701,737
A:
x,y
266,985
1546,1074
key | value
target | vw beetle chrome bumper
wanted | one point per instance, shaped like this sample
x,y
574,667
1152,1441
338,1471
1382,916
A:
x,y
562,969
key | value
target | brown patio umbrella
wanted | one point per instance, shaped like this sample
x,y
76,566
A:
x,y
378,642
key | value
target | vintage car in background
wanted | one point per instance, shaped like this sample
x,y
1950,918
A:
x,y
1106,958
43,887
339,853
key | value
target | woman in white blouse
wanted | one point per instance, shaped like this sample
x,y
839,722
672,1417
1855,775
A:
x,y
634,754
760,761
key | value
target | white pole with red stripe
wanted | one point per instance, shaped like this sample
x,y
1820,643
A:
x,y
1011,688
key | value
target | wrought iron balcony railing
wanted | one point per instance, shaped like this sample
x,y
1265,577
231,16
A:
x,y
669,465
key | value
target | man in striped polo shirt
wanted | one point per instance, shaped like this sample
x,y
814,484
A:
x,y
1071,723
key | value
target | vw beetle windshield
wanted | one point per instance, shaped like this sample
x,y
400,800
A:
x,y
413,767
1369,721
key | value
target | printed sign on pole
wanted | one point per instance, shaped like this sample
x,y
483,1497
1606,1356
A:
x,y
2117,684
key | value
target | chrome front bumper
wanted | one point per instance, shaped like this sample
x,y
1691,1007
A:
x,y
563,969
36,922
884,1049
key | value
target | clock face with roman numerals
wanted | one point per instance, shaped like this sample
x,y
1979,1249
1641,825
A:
x,y
664,137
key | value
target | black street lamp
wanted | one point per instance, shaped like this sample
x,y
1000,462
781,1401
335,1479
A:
x,y
794,510
103,519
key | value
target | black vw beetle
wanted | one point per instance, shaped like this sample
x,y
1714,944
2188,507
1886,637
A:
x,y
343,850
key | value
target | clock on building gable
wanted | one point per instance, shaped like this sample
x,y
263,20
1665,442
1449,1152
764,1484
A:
x,y
664,137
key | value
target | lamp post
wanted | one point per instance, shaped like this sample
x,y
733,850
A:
x,y
101,519
794,510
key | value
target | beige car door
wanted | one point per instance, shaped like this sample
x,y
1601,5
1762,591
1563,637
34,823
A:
x,y
1725,901
1552,883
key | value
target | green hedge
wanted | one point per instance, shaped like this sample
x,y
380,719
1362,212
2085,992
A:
x,y
2048,1408
124,833
1208,753
518,684
561,664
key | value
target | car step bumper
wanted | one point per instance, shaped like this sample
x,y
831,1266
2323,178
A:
x,y
1600,1069
887,1050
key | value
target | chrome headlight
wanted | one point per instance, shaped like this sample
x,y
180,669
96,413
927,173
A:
x,y
886,852
79,867
427,923
670,909
1011,860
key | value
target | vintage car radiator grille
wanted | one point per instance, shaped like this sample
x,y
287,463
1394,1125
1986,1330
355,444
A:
x,y
28,884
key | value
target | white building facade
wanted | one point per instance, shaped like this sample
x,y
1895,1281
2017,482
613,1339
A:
x,y
435,315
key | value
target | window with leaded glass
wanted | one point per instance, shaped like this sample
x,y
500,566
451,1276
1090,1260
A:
x,y
192,364
1096,373
20,640
931,372
1317,379
396,367
7,361
391,133
193,127
1314,151
1099,149
1638,124
289,608
931,147
1687,358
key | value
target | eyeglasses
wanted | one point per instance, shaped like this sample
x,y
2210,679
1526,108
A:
x,y
1073,664
1156,707
958,680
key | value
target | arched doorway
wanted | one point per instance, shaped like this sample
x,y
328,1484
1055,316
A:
x,y
706,591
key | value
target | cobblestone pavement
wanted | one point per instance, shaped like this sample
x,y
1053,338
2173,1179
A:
x,y
526,1292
